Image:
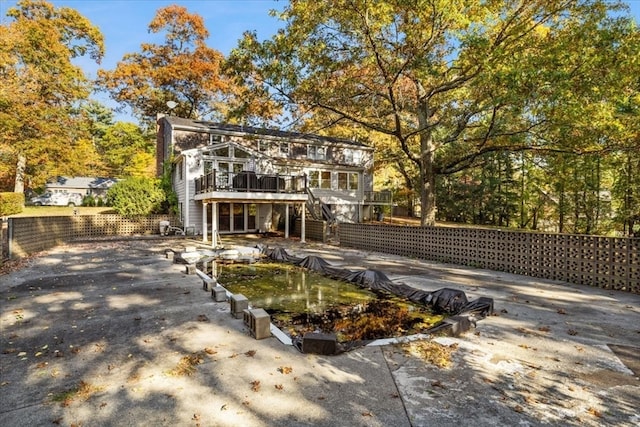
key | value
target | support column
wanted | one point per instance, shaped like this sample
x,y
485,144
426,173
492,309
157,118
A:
x,y
245,210
302,223
204,222
214,224
286,221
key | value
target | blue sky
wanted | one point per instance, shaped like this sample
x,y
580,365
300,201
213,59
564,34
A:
x,y
124,23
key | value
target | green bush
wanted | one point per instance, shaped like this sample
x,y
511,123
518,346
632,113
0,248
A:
x,y
11,203
88,200
136,196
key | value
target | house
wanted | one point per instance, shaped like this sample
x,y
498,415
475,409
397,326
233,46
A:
x,y
238,179
83,185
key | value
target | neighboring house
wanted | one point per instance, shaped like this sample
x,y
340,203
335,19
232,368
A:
x,y
83,185
231,178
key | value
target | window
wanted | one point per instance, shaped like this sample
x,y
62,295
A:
x,y
263,146
320,179
284,148
352,156
316,153
221,152
240,154
179,167
348,181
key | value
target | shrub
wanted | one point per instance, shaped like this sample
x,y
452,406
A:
x,y
170,204
11,203
88,201
136,196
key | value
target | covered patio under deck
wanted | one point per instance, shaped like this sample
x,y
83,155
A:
x,y
233,204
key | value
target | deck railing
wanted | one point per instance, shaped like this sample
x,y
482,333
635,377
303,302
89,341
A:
x,y
382,197
250,182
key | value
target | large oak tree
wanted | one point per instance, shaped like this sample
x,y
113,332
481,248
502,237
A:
x,y
450,81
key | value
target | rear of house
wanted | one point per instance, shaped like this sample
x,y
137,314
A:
x,y
231,178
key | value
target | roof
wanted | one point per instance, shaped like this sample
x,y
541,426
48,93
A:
x,y
81,182
229,128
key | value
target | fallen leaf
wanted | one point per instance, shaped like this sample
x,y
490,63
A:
x,y
279,387
255,385
572,332
561,311
223,407
594,412
202,318
209,350
285,369
250,353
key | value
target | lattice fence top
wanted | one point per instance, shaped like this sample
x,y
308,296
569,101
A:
x,y
607,262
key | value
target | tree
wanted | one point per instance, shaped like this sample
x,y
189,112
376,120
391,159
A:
x,y
183,70
40,124
127,151
450,81
136,196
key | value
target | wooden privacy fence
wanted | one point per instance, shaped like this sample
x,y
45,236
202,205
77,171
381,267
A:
x,y
605,262
28,235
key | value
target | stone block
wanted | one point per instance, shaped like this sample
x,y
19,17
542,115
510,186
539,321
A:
x,y
246,317
318,343
238,303
259,323
219,294
190,269
208,283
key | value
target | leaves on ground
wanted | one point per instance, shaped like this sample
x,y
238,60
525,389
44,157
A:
x,y
285,370
255,385
83,391
432,352
187,364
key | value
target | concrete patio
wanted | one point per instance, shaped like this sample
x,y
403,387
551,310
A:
x,y
113,333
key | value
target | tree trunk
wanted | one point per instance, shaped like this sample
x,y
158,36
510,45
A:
x,y
427,176
20,169
427,181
